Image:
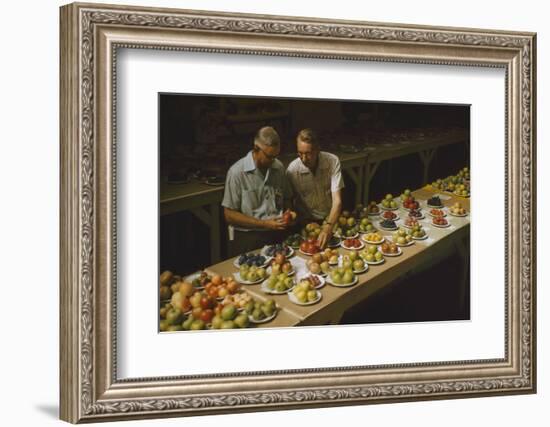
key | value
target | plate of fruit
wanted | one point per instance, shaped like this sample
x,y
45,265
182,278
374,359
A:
x,y
352,244
402,238
358,265
279,248
252,259
280,264
304,294
309,247
365,226
457,210
342,277
318,264
439,221
198,279
418,233
277,284
411,222
250,275
372,255
373,209
390,249
388,203
388,225
263,312
334,242
437,212
317,281
390,215
373,238
416,213
294,241
435,202
409,201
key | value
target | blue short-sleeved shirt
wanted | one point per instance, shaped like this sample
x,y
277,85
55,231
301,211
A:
x,y
250,192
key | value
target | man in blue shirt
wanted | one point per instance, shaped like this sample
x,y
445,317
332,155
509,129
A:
x,y
256,193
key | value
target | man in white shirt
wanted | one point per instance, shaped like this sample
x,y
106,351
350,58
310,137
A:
x,y
316,180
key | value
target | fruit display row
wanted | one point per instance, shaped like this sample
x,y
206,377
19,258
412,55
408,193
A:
x,y
458,184
234,311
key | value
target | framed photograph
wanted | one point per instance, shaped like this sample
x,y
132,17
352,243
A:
x,y
266,212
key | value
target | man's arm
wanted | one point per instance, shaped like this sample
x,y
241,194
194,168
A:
x,y
335,210
239,219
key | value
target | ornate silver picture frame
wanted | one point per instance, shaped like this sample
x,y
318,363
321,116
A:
x,y
91,391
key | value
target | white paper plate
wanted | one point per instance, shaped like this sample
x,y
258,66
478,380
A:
x,y
388,209
441,226
364,270
293,299
460,216
405,245
424,237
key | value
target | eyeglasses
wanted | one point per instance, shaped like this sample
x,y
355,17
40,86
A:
x,y
269,156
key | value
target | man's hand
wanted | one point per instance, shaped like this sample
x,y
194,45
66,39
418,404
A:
x,y
275,224
324,236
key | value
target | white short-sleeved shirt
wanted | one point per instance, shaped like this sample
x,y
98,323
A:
x,y
250,192
313,192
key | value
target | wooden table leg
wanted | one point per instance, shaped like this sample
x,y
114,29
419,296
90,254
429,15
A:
x,y
212,220
426,156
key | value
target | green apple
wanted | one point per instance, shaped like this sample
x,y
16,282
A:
x,y
372,249
389,196
369,257
337,278
174,328
197,325
325,267
351,222
243,269
393,204
267,310
353,255
173,316
241,321
187,323
280,287
346,263
365,222
258,314
401,240
378,256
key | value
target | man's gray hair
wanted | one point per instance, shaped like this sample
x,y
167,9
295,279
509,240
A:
x,y
267,136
